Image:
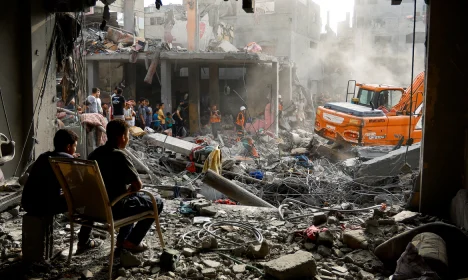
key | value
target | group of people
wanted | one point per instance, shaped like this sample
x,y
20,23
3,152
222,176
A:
x,y
142,114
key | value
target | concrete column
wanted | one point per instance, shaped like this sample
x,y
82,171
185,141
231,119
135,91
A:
x,y
290,82
129,15
274,96
130,80
93,75
193,28
214,85
166,84
194,97
443,159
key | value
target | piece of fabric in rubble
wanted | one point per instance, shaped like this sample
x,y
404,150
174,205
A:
x,y
412,266
213,162
92,121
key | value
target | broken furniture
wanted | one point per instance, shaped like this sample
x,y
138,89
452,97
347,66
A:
x,y
87,200
37,238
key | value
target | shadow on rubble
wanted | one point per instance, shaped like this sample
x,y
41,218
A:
x,y
58,269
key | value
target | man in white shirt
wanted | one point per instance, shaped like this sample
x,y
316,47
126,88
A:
x,y
91,102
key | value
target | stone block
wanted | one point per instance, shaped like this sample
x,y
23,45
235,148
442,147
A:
x,y
389,164
300,265
355,239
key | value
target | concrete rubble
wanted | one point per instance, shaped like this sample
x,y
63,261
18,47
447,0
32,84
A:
x,y
310,218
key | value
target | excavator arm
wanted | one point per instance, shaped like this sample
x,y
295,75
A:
x,y
411,100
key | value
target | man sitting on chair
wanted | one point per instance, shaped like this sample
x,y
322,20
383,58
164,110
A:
x,y
42,191
118,172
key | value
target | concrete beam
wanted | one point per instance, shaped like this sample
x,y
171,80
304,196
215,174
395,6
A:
x,y
390,164
274,97
170,143
166,84
233,191
444,141
194,98
214,84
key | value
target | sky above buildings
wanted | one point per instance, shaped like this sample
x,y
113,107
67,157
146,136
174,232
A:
x,y
337,8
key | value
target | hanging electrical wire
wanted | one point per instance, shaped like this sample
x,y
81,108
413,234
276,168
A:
x,y
409,142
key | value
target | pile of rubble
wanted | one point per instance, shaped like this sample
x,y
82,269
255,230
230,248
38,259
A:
x,y
320,220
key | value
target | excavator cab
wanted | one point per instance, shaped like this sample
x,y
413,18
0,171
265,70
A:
x,y
378,97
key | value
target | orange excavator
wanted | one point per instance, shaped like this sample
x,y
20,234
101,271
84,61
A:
x,y
377,115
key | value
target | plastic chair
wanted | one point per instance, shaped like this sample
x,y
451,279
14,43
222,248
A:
x,y
87,200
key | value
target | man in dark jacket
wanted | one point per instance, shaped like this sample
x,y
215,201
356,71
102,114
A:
x,y
42,192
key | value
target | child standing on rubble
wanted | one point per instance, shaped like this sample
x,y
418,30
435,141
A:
x,y
170,123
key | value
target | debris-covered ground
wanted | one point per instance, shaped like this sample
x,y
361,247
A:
x,y
326,222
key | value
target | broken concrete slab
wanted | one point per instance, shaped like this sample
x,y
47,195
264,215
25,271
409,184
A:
x,y
390,164
405,216
294,266
170,143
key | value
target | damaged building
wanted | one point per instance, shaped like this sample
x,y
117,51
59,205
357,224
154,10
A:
x,y
277,201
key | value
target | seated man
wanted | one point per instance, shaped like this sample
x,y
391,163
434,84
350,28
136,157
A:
x,y
42,191
118,172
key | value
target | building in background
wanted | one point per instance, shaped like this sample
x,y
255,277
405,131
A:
x,y
386,32
287,29
125,14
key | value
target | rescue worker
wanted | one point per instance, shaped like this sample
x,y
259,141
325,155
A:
x,y
215,120
240,123
280,106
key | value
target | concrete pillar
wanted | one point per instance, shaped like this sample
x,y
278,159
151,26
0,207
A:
x,y
443,159
194,97
129,15
166,84
274,96
214,85
130,80
193,25
93,75
290,82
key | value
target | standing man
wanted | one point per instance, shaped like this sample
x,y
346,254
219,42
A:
x,y
91,102
142,113
148,114
240,123
129,114
118,104
98,101
118,172
161,116
215,120
280,106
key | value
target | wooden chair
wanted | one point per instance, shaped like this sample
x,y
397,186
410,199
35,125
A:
x,y
87,200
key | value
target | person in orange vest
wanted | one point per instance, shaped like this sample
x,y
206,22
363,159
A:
x,y
240,123
280,106
215,120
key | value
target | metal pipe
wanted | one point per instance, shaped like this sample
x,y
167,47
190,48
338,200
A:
x,y
232,190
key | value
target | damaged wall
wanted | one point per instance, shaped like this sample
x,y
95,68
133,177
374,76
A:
x,y
21,77
42,26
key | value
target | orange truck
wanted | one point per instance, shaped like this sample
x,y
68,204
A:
x,y
377,115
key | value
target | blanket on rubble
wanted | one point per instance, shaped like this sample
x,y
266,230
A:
x,y
93,120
